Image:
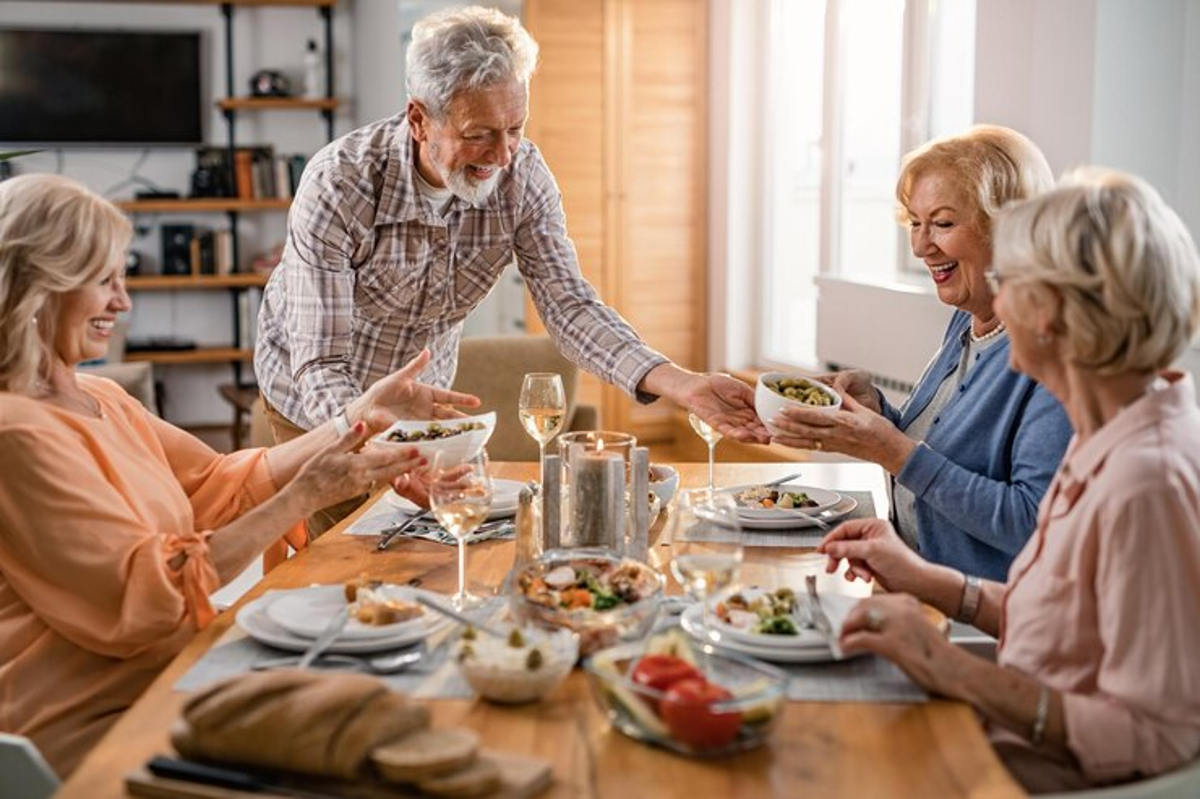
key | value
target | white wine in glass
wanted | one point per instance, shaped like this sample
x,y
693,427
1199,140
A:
x,y
543,409
706,549
460,496
710,436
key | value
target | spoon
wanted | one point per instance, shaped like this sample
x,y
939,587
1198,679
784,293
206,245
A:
x,y
390,663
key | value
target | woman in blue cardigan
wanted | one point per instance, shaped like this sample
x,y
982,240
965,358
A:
x,y
975,446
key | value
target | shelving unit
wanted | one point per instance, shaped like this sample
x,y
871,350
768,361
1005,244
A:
x,y
230,106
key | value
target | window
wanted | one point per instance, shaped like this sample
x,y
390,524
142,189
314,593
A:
x,y
853,84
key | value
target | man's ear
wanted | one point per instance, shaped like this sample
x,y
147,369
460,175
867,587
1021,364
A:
x,y
418,120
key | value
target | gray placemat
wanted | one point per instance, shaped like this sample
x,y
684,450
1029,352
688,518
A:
x,y
384,514
790,538
435,676
869,678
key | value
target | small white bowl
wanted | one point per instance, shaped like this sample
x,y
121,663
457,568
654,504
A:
x,y
464,445
666,484
502,672
769,403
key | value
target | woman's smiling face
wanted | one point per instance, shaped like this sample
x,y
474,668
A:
x,y
944,233
87,315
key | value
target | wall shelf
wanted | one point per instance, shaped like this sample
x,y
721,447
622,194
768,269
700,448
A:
x,y
200,282
277,103
198,355
202,205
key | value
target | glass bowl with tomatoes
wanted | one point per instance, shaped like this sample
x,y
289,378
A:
x,y
696,704
596,593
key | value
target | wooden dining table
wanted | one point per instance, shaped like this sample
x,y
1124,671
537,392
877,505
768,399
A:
x,y
818,749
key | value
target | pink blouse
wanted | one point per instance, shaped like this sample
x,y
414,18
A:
x,y
1103,604
90,512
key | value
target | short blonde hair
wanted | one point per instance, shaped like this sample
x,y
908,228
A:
x,y
55,236
1122,261
989,164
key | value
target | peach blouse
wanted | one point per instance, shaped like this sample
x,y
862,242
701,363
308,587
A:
x,y
90,512
1103,604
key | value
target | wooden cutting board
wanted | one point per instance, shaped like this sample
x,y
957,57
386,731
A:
x,y
520,778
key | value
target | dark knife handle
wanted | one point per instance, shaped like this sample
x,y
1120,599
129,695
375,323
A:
x,y
191,771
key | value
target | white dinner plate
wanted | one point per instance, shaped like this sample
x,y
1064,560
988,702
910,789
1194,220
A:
x,y
824,498
693,624
771,519
254,618
806,639
307,611
506,495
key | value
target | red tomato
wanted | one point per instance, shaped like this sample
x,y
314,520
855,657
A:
x,y
687,710
660,672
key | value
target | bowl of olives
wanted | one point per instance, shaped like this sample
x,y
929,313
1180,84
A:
x,y
777,391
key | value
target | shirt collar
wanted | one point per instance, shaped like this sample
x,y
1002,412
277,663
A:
x,y
1082,460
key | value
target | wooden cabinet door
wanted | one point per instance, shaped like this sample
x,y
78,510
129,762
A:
x,y
618,108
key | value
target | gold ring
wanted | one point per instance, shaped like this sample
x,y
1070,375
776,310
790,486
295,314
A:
x,y
371,488
874,619
816,445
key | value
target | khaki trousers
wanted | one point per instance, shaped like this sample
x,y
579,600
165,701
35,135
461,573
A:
x,y
320,522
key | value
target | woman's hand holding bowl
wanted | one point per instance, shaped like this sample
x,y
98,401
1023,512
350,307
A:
x,y
853,429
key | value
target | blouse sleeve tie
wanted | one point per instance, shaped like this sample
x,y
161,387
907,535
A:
x,y
198,574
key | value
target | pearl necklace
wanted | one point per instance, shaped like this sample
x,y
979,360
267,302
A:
x,y
988,336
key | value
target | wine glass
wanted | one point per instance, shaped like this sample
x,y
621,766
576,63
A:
x,y
710,436
543,409
706,548
460,495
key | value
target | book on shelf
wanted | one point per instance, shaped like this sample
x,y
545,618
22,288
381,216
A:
x,y
248,302
254,173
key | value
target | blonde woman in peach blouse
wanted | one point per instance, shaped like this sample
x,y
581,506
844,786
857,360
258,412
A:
x,y
1096,679
114,525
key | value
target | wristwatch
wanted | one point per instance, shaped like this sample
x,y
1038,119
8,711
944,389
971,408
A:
x,y
968,606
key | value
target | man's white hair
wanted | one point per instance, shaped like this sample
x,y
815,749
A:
x,y
464,49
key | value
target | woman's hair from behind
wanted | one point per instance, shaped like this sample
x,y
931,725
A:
x,y
1122,261
990,165
55,236
464,49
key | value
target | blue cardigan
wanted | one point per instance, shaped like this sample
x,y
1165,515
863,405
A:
x,y
979,475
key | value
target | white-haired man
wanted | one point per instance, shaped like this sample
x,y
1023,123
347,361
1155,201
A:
x,y
401,228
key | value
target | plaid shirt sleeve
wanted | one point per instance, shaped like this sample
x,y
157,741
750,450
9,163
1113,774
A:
x,y
588,332
319,284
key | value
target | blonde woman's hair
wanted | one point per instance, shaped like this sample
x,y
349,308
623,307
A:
x,y
989,164
55,236
1122,261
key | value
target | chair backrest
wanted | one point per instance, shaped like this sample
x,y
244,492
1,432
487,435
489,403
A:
x,y
1182,783
26,774
493,368
137,378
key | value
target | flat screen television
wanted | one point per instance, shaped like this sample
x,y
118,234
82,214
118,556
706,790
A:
x,y
67,86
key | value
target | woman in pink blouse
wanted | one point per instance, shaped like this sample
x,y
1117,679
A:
x,y
115,526
1097,677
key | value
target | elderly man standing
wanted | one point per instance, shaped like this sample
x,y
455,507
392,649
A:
x,y
399,229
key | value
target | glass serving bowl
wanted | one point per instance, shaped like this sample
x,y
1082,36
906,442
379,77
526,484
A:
x,y
701,728
597,627
524,668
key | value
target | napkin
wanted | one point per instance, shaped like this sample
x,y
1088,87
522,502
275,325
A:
x,y
322,724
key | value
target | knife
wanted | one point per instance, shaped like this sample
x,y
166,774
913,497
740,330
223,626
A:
x,y
325,639
173,768
819,619
392,533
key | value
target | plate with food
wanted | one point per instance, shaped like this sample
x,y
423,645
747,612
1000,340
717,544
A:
x,y
761,617
506,495
780,507
464,436
255,619
377,610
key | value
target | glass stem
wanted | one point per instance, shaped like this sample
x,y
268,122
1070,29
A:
x,y
541,463
712,452
462,570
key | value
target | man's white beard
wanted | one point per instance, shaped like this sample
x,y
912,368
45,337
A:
x,y
467,188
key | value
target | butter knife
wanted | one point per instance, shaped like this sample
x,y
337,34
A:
x,y
325,639
819,619
392,533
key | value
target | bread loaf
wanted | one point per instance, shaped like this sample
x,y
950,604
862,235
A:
x,y
296,721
